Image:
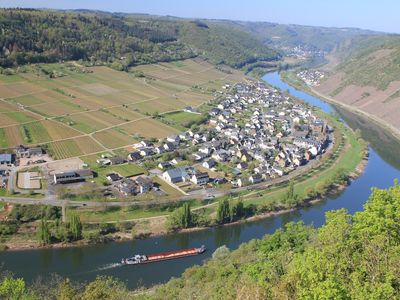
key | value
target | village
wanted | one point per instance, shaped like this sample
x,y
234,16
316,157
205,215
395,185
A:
x,y
253,134
311,77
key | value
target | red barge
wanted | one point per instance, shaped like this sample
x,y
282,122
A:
x,y
143,259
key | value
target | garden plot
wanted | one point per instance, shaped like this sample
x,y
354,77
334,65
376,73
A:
x,y
98,89
113,138
149,128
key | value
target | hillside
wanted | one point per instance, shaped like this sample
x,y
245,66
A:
x,y
122,41
223,44
368,78
309,37
350,257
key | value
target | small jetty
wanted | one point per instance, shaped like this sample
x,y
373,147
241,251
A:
x,y
144,259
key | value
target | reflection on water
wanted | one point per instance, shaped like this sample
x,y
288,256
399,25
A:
x,y
380,139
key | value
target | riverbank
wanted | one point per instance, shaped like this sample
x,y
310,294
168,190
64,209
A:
x,y
291,78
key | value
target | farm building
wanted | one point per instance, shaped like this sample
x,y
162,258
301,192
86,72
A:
x,y
72,176
7,159
23,151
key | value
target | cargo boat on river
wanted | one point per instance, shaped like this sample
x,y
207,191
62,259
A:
x,y
144,259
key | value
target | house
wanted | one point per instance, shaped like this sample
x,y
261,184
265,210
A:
x,y
72,176
117,160
159,150
146,143
242,165
112,177
23,151
144,183
220,155
176,161
147,152
256,178
7,159
134,156
164,165
209,164
173,138
200,178
175,175
189,109
206,149
126,187
219,180
169,146
199,156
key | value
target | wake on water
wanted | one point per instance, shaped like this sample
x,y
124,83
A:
x,y
108,266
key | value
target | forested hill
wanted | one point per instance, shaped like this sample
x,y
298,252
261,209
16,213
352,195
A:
x,y
310,37
32,36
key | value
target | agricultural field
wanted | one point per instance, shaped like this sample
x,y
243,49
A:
x,y
182,120
86,110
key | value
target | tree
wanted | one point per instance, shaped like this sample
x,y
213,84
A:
x,y
237,210
186,216
65,290
104,288
290,198
44,232
181,218
75,226
223,212
12,289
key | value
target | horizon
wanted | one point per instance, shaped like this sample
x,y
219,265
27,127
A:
x,y
341,14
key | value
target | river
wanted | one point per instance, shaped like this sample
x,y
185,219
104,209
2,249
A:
x,y
85,263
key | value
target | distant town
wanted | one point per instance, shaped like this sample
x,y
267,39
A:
x,y
253,134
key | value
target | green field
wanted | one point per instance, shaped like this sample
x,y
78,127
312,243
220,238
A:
x,y
115,108
182,120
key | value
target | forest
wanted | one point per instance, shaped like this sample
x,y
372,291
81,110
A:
x,y
121,41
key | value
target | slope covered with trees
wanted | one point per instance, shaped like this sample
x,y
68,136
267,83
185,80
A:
x,y
36,36
311,37
31,36
350,257
224,44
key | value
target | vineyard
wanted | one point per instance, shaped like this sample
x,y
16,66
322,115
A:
x,y
64,149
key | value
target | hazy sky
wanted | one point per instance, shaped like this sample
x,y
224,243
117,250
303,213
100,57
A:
x,y
382,15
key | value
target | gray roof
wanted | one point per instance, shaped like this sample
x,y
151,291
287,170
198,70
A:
x,y
6,157
177,173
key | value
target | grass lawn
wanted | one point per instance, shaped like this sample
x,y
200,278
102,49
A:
x,y
125,170
182,120
113,214
167,188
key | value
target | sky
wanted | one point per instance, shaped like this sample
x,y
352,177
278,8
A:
x,y
380,15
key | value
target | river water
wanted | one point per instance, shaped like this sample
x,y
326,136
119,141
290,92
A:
x,y
85,263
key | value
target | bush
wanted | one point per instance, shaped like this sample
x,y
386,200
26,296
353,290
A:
x,y
106,228
8,228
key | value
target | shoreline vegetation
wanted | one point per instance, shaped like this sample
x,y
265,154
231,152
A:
x,y
328,178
